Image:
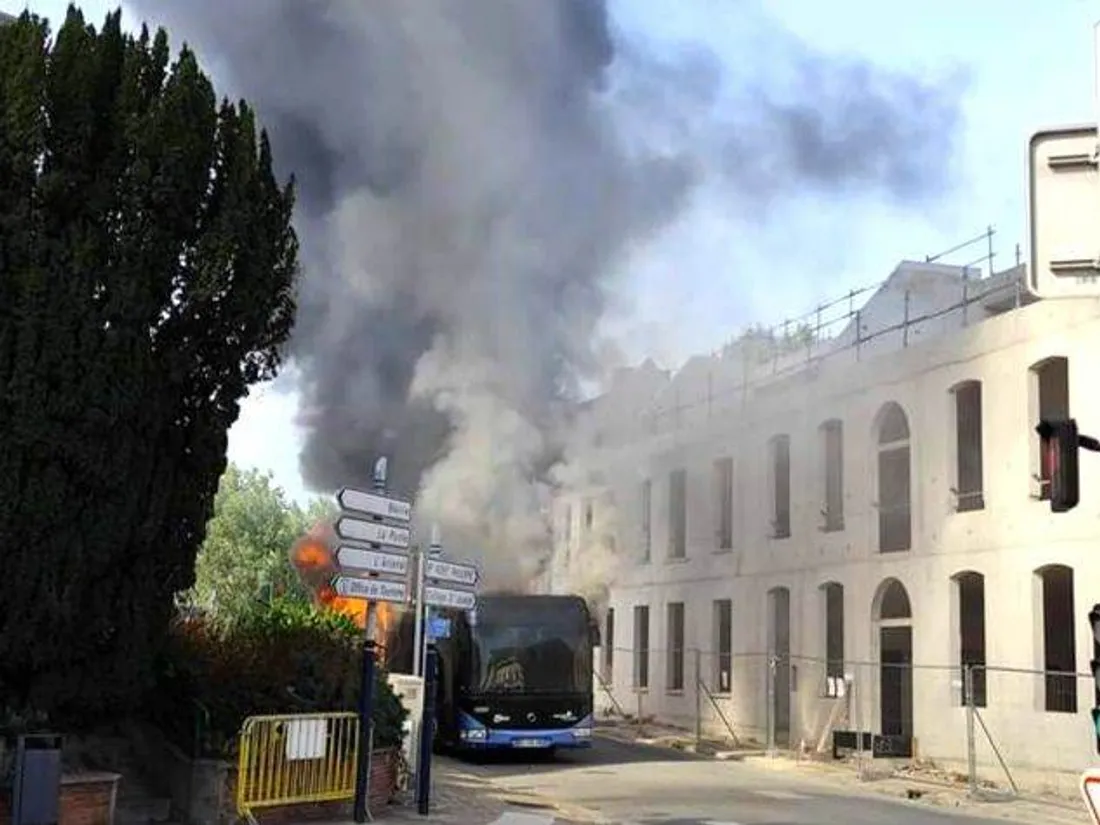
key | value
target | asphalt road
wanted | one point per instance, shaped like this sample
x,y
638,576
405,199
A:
x,y
645,785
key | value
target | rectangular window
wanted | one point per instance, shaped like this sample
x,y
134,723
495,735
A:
x,y
609,646
723,643
968,447
971,589
641,646
647,518
677,514
833,436
834,639
723,503
781,486
675,679
1052,379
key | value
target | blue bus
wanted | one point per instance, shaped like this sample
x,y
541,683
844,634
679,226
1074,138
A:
x,y
514,672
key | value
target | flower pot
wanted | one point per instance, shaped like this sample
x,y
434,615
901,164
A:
x,y
383,777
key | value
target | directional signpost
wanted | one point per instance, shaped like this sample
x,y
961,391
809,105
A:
x,y
446,584
350,557
358,501
376,562
449,597
371,532
373,564
458,580
373,590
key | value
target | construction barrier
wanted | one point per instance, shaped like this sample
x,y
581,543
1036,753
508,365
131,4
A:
x,y
295,759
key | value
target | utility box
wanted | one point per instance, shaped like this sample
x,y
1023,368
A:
x,y
410,690
36,780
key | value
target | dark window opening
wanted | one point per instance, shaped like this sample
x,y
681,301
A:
x,y
969,495
723,627
781,486
675,677
641,647
972,635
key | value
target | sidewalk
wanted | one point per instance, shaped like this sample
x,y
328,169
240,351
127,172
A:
x,y
921,785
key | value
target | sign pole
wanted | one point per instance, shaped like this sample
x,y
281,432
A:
x,y
418,607
366,703
423,609
427,733
366,686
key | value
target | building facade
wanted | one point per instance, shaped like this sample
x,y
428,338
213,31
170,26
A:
x,y
852,532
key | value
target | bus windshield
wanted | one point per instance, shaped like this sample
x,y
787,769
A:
x,y
530,647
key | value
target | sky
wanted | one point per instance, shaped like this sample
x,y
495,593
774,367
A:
x,y
1026,65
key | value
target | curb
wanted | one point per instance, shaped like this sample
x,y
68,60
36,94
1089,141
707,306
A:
x,y
1053,810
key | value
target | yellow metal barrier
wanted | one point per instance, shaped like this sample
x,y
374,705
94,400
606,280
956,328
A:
x,y
294,759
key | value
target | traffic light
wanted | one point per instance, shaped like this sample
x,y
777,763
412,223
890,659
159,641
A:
x,y
1094,624
1060,442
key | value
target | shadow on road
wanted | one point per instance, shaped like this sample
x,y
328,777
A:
x,y
604,752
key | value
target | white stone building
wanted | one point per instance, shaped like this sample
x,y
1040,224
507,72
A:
x,y
869,506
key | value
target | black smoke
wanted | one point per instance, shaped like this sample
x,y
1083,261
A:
x,y
471,174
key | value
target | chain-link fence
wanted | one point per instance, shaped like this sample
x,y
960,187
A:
x,y
1025,731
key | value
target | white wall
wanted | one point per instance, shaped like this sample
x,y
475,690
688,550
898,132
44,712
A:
x,y
1007,541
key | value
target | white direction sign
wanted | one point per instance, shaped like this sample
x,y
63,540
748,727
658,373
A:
x,y
372,590
1064,213
373,504
371,532
372,561
1090,790
446,597
449,571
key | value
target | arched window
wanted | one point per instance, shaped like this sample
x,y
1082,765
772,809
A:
x,y
1059,639
1048,398
971,591
894,615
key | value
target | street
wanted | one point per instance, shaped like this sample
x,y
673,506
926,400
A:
x,y
634,784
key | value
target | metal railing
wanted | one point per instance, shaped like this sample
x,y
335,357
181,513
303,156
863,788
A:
x,y
296,758
1000,731
836,329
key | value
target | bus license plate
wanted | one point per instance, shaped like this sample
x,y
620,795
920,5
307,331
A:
x,y
530,743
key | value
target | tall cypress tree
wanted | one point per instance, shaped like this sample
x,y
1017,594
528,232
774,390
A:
x,y
147,273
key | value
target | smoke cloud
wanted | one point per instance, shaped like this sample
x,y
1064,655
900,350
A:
x,y
471,178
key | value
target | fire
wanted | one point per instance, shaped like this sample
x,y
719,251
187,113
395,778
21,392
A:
x,y
313,558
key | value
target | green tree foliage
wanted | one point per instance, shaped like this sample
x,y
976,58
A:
x,y
243,559
282,657
147,273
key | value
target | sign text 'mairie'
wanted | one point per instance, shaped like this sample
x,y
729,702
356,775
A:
x,y
360,501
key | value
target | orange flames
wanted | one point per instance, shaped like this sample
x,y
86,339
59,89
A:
x,y
314,559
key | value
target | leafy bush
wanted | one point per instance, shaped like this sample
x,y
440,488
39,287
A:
x,y
285,657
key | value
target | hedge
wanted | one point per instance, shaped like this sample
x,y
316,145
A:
x,y
284,657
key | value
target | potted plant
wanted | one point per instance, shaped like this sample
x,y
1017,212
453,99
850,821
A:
x,y
388,723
